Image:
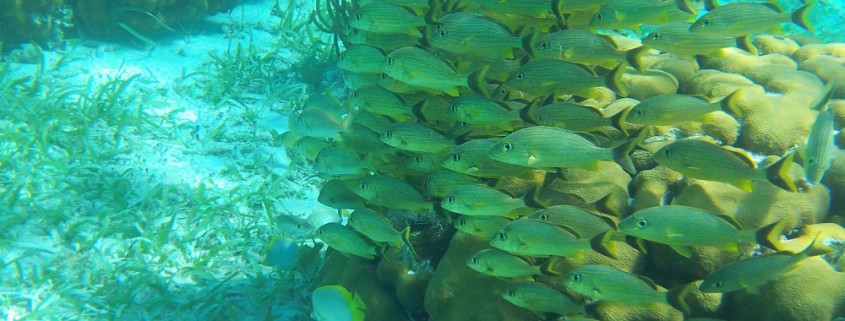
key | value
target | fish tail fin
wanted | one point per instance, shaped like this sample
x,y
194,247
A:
x,y
557,9
801,17
686,6
730,103
613,80
528,42
679,297
476,81
530,198
710,4
745,43
618,121
528,113
406,237
778,173
548,267
635,57
603,244
769,235
821,104
432,16
622,155
815,248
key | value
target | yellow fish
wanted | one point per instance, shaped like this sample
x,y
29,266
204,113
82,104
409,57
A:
x,y
676,38
541,298
420,68
741,19
378,229
378,100
496,263
549,147
704,160
582,47
391,192
681,227
631,14
361,58
383,17
672,109
751,273
546,77
607,283
483,226
480,200
416,137
468,34
536,238
346,241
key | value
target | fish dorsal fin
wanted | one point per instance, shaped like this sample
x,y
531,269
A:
x,y
586,68
648,281
528,113
683,250
774,5
730,220
610,40
741,154
827,93
711,4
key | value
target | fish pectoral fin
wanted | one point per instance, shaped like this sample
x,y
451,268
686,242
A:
x,y
753,290
685,251
746,185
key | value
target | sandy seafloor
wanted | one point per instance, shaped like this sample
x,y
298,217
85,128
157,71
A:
x,y
201,182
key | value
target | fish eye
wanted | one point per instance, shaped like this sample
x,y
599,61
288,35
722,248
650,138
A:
x,y
705,22
363,186
462,222
475,260
502,236
507,147
511,293
450,199
453,108
358,16
456,157
544,217
576,278
520,76
718,284
544,45
667,152
599,16
655,36
640,112
390,61
503,91
443,33
642,222
388,134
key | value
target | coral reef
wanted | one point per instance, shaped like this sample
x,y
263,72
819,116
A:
x,y
733,156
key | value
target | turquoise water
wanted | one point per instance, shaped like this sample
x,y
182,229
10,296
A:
x,y
145,178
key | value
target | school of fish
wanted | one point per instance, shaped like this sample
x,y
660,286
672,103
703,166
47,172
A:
x,y
476,113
